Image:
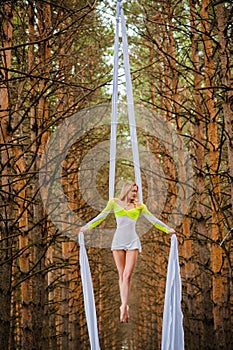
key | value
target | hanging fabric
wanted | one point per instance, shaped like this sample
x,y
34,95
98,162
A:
x,y
120,19
113,138
89,300
172,332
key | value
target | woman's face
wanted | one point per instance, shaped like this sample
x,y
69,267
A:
x,y
132,195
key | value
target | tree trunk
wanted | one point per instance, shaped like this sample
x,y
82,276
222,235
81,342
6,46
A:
x,y
7,200
214,178
39,137
65,297
226,76
225,57
26,296
207,331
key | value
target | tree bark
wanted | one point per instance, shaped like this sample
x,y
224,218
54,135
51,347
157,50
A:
x,y
214,178
226,77
225,57
38,140
7,200
205,309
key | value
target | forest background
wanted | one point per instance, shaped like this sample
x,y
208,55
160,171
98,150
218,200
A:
x,y
56,60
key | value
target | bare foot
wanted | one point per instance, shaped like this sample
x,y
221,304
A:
x,y
127,314
124,315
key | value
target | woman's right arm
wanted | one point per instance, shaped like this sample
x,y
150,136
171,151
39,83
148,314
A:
x,y
99,218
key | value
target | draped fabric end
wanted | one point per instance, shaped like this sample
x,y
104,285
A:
x,y
89,301
172,333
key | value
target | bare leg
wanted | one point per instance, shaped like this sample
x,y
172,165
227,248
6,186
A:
x,y
125,262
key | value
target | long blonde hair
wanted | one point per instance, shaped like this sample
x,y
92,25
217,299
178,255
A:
x,y
128,185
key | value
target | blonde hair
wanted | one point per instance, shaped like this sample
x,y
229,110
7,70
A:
x,y
127,187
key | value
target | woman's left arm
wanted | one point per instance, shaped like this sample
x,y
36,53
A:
x,y
156,222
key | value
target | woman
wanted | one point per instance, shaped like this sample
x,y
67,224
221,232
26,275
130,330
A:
x,y
126,243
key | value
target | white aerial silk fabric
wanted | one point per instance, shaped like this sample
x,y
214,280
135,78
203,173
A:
x,y
112,161
120,19
130,105
172,332
89,301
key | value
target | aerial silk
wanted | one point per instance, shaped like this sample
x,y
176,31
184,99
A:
x,y
89,300
172,332
120,18
173,327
